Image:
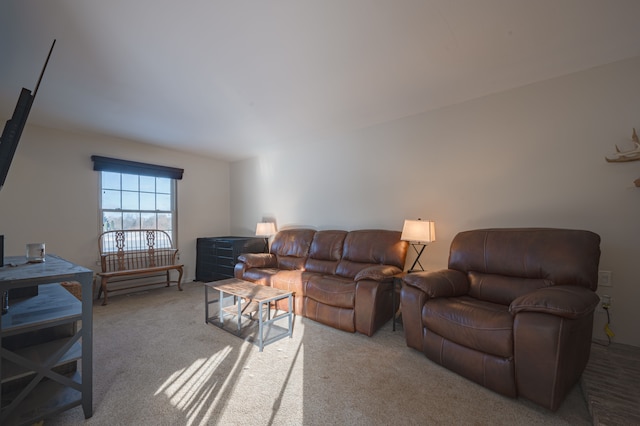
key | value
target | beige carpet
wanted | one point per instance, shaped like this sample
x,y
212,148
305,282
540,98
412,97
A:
x,y
157,363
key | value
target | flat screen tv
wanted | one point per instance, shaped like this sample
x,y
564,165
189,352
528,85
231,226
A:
x,y
14,126
12,131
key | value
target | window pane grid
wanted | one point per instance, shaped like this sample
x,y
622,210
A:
x,y
136,202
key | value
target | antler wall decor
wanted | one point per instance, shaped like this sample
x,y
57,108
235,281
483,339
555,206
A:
x,y
631,155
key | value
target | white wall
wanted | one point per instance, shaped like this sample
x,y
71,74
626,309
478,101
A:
x,y
532,156
51,194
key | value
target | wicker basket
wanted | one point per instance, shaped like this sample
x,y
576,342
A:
x,y
73,287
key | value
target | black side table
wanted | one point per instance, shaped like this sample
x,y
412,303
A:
x,y
397,286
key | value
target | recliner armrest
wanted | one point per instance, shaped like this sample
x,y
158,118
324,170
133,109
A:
x,y
258,260
564,301
378,273
443,283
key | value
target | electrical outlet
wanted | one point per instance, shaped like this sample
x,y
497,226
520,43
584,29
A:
x,y
605,301
604,279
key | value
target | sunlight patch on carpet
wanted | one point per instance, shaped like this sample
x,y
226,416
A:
x,y
196,389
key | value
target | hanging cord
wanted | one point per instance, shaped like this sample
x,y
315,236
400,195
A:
x,y
607,328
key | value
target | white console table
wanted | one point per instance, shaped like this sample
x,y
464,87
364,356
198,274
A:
x,y
53,306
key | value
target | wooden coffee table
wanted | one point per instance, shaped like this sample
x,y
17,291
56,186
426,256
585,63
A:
x,y
248,299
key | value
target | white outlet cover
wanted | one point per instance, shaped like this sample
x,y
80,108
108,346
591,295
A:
x,y
604,278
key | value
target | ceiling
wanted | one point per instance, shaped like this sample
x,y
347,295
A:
x,y
231,79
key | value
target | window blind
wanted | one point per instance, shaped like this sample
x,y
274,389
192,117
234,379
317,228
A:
x,y
133,167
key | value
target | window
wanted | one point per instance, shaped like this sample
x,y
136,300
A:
x,y
136,195
136,202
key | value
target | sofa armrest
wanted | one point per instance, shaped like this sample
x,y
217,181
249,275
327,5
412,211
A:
x,y
443,283
563,300
258,260
378,273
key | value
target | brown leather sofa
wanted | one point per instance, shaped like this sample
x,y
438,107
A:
x,y
513,311
341,279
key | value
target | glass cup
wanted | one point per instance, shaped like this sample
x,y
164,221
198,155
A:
x,y
35,253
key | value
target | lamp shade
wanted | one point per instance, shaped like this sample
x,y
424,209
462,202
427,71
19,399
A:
x,y
422,231
265,229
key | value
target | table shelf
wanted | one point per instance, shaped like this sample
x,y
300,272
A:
x,y
39,354
47,398
52,306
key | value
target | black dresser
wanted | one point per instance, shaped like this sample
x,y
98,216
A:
x,y
217,256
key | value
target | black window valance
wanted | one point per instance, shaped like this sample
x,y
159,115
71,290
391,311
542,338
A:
x,y
135,168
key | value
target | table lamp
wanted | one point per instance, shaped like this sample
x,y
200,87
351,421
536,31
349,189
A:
x,y
265,229
419,233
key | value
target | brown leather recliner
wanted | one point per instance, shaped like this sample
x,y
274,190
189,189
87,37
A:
x,y
513,312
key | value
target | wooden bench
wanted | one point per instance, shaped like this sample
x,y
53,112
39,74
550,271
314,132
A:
x,y
135,254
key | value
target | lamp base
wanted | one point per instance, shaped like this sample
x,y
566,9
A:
x,y
417,261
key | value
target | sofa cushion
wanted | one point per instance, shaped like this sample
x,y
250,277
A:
x,y
364,248
564,301
325,251
289,281
260,276
562,256
484,326
291,247
332,290
340,318
294,281
375,246
501,289
349,269
378,273
442,283
258,260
